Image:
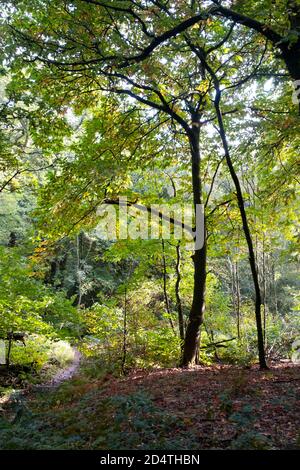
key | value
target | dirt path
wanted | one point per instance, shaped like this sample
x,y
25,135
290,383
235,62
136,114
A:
x,y
64,374
20,397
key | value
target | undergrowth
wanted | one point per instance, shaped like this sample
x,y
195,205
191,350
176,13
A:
x,y
76,419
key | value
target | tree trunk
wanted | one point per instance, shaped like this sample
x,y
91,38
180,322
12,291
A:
x,y
8,352
235,293
292,59
197,357
291,52
238,299
241,204
199,258
78,271
177,294
166,297
264,281
274,285
124,346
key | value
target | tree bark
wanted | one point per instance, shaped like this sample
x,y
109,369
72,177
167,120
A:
x,y
177,294
241,204
264,281
78,270
166,297
8,352
290,53
124,346
199,258
291,58
238,299
235,293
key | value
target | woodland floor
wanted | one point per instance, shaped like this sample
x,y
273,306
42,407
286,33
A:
x,y
217,403
218,407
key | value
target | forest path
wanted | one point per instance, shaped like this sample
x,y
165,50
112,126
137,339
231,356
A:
x,y
64,374
19,397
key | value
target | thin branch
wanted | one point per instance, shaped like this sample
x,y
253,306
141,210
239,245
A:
x,y
213,181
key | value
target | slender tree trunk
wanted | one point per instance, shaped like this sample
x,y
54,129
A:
x,y
124,346
264,281
78,271
238,299
181,325
177,294
241,204
199,259
235,294
233,285
166,297
8,352
274,285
